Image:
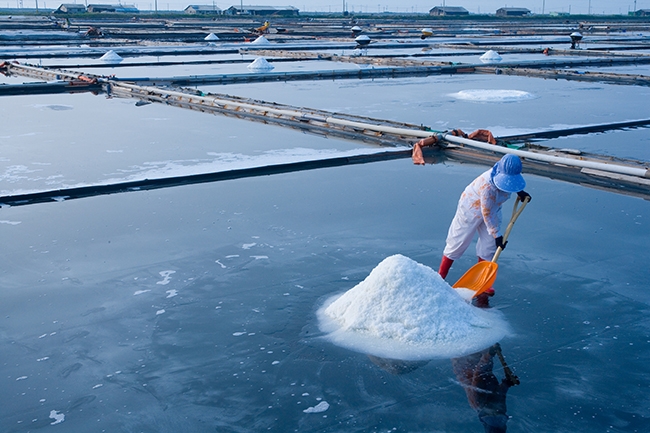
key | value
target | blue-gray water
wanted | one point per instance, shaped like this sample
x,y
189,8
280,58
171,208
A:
x,y
192,309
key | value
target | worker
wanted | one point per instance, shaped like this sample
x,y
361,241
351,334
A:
x,y
479,211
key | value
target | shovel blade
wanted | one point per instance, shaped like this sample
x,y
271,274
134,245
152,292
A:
x,y
478,278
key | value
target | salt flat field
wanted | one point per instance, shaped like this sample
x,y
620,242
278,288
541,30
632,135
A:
x,y
199,308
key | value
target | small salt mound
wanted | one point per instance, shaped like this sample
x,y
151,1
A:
x,y
405,310
491,56
111,57
260,64
490,95
261,41
211,37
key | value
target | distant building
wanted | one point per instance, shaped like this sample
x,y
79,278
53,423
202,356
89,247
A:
x,y
280,11
642,13
119,8
67,8
202,10
448,11
513,12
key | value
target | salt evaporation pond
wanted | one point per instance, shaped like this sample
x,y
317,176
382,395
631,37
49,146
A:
x,y
195,308
405,310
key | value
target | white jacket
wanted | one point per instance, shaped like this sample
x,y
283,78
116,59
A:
x,y
482,199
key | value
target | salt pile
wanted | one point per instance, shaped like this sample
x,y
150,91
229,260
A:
x,y
111,57
211,37
492,95
405,310
261,41
491,56
362,40
260,64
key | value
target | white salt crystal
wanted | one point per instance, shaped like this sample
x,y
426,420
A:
x,y
405,310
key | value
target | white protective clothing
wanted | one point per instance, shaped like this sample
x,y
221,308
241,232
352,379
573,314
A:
x,y
478,211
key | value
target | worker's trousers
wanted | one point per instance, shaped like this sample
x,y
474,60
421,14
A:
x,y
461,233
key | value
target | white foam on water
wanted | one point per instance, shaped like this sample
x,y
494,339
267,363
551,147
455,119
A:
x,y
492,95
171,168
260,64
12,223
166,277
249,246
320,407
57,416
139,292
159,312
171,293
405,310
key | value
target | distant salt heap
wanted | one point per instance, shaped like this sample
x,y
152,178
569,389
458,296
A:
x,y
362,40
405,310
261,41
260,64
491,56
211,37
111,57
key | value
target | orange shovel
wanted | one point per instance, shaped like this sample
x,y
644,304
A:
x,y
482,275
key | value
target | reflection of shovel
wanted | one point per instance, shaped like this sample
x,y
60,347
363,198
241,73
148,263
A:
x,y
510,376
482,275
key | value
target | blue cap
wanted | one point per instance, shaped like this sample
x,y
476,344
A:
x,y
506,174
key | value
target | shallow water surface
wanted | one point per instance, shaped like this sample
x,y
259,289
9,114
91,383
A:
x,y
193,309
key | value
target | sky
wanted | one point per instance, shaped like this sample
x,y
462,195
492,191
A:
x,y
473,6
597,7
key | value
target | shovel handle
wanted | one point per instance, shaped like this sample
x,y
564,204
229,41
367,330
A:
x,y
510,376
516,211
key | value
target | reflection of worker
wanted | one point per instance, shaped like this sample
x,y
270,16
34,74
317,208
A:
x,y
479,211
486,395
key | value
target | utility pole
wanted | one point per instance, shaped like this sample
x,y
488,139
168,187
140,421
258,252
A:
x,y
543,6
